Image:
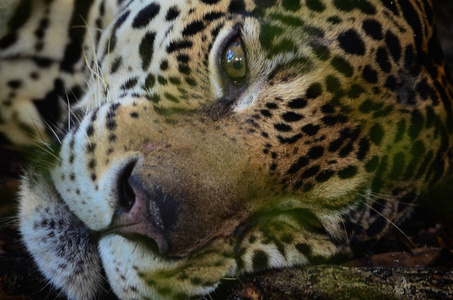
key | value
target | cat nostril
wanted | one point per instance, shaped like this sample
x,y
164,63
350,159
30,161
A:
x,y
125,192
139,214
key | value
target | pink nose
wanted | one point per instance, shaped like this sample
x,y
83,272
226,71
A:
x,y
143,213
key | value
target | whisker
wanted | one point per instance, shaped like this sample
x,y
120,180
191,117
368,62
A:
x,y
394,224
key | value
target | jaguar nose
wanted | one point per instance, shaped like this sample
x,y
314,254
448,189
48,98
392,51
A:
x,y
143,213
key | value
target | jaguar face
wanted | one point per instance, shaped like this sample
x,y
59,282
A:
x,y
221,137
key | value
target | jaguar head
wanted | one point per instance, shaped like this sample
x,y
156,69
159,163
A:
x,y
222,137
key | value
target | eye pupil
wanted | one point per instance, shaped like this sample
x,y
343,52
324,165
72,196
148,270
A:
x,y
237,64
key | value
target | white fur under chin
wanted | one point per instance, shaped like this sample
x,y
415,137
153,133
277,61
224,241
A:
x,y
59,243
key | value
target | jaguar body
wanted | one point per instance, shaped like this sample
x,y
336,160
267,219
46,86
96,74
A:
x,y
186,141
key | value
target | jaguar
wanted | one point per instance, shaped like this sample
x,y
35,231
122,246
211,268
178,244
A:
x,y
188,141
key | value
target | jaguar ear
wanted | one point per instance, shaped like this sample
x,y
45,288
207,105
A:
x,y
59,243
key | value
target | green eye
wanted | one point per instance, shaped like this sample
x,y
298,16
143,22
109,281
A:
x,y
234,62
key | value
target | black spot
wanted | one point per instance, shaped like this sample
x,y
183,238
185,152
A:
x,y
129,84
345,5
332,83
236,6
324,175
376,134
90,147
301,162
267,35
364,147
291,5
314,91
297,103
398,165
351,42
184,69
282,127
315,152
183,58
391,5
290,140
90,130
383,60
373,28
336,144
287,20
174,80
191,81
211,16
366,7
344,152
146,49
178,45
393,44
400,130
116,64
372,164
164,65
315,5
77,29
92,164
426,91
347,172
304,249
193,28
162,80
8,40
49,106
310,172
413,19
21,15
14,84
322,52
146,15
42,62
150,81
355,91
391,83
271,105
417,124
369,74
292,117
334,120
334,20
210,2
172,13
111,124
171,97
327,108
342,66
260,260
111,46
266,113
310,129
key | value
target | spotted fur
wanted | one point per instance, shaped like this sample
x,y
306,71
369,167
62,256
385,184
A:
x,y
169,176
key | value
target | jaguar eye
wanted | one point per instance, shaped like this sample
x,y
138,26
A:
x,y
234,61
